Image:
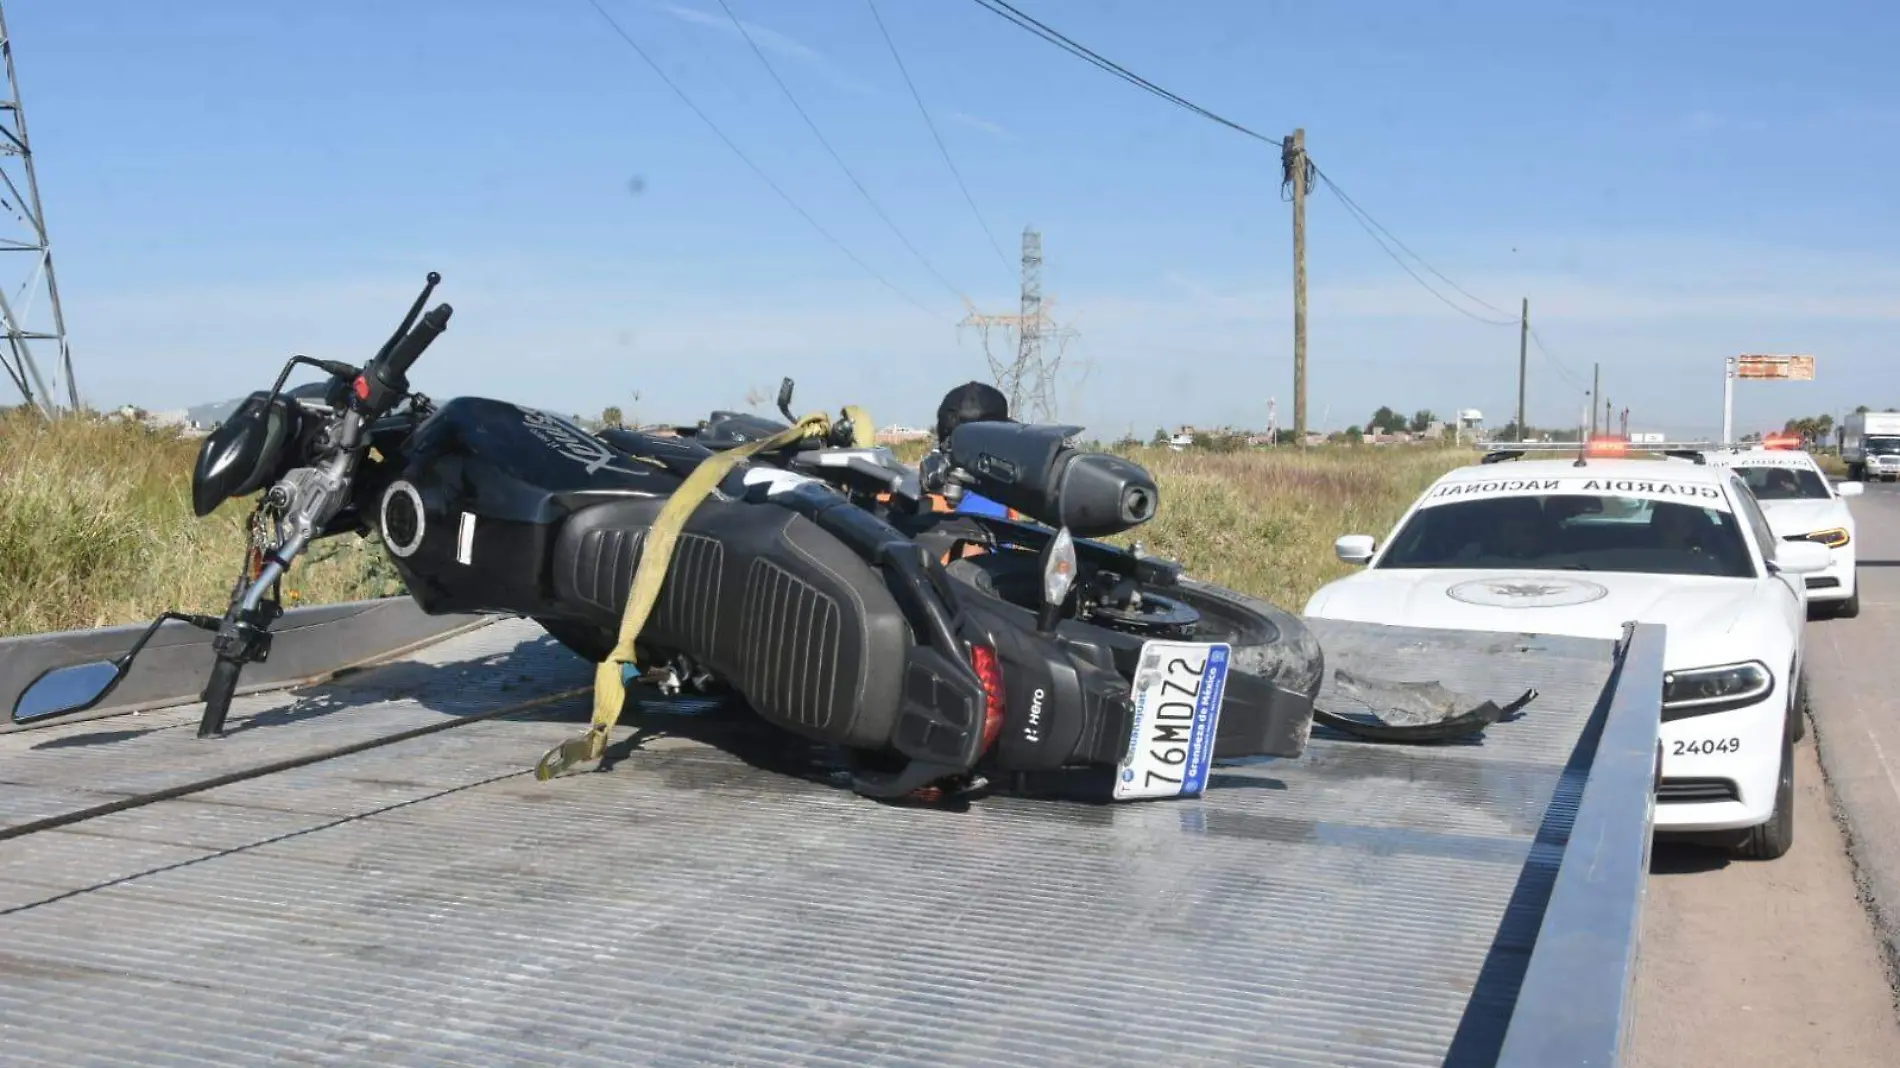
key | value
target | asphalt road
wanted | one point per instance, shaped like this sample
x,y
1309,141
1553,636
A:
x,y
1792,961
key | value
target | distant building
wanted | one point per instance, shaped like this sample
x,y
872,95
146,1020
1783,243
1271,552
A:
x,y
896,434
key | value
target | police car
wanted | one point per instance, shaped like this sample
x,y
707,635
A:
x,y
1582,545
1802,505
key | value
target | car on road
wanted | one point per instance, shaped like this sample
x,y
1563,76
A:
x,y
1585,544
1802,505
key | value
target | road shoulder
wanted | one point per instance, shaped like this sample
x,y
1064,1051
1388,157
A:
x,y
1761,964
1853,671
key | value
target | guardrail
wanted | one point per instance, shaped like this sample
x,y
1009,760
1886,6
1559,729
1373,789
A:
x,y
1573,1008
308,645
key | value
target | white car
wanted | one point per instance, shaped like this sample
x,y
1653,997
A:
x,y
1802,505
1558,547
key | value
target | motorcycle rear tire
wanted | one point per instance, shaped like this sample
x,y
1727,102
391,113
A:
x,y
1226,615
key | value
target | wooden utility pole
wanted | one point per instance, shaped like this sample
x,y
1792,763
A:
x,y
1523,343
1596,391
1293,160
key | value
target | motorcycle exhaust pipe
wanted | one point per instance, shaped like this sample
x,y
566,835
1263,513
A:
x,y
1032,469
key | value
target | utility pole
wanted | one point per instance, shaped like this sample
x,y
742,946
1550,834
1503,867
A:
x,y
22,199
1294,168
1728,400
1596,391
1523,343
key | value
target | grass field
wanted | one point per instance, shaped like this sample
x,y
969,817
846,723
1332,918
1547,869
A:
x,y
96,529
96,526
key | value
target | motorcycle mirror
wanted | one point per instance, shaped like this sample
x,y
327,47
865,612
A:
x,y
1058,577
785,399
68,689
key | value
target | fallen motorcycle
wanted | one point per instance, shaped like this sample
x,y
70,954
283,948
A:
x,y
795,565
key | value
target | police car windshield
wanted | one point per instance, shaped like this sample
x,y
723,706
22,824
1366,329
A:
x,y
1784,483
1573,531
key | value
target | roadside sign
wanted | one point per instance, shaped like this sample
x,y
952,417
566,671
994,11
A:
x,y
1786,368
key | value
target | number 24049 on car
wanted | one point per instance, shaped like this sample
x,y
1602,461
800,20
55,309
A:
x,y
1177,693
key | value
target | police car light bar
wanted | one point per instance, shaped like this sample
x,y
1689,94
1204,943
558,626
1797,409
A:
x,y
1601,447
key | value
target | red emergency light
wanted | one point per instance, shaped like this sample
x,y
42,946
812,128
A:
x,y
1784,440
1607,445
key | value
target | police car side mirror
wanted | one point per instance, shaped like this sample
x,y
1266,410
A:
x,y
1355,548
1802,557
1851,489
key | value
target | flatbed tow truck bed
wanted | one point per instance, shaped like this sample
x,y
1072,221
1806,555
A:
x,y
367,872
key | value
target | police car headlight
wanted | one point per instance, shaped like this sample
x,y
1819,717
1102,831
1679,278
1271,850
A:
x,y
1833,537
1700,691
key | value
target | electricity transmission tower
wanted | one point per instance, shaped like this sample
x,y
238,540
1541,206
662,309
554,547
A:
x,y
1028,375
25,233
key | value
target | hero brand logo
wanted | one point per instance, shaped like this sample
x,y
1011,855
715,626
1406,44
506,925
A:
x,y
1032,731
571,441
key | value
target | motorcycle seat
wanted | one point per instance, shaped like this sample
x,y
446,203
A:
x,y
786,613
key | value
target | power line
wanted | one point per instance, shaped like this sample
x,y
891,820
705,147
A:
x,y
1366,223
836,158
1374,229
1016,17
747,160
1562,371
925,112
1354,206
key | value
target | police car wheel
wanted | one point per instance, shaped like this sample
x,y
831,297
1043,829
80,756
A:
x,y
1774,838
1849,608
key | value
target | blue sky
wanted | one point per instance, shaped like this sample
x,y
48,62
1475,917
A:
x,y
227,183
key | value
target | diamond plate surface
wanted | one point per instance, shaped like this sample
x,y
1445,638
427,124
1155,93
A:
x,y
429,903
96,761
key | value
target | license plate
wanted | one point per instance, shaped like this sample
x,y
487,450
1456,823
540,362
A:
x,y
1177,692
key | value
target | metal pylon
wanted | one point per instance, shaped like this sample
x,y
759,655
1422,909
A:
x,y
25,292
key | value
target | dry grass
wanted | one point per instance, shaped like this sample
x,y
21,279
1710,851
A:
x,y
96,529
1263,521
96,526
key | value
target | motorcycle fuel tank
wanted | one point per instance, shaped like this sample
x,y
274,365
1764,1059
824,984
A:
x,y
471,519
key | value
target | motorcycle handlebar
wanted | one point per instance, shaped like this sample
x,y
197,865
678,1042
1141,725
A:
x,y
395,367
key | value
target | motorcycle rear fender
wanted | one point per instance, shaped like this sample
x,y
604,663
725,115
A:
x,y
1057,709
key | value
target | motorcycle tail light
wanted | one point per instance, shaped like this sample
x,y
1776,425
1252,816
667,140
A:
x,y
989,670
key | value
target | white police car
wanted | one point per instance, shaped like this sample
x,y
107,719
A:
x,y
1554,547
1802,505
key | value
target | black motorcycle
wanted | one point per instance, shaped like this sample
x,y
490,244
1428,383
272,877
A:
x,y
936,650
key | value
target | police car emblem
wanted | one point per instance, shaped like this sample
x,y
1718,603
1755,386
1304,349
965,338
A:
x,y
1527,592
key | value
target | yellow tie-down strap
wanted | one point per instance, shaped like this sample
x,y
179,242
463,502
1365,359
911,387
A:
x,y
610,687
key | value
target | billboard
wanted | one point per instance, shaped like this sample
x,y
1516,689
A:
x,y
1785,368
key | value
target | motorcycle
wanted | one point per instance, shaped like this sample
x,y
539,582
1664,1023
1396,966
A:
x,y
817,577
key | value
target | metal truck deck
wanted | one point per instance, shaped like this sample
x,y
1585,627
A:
x,y
367,872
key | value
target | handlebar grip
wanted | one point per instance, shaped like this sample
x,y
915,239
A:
x,y
410,349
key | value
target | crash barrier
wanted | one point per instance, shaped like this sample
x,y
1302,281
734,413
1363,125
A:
x,y
308,645
1574,1007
